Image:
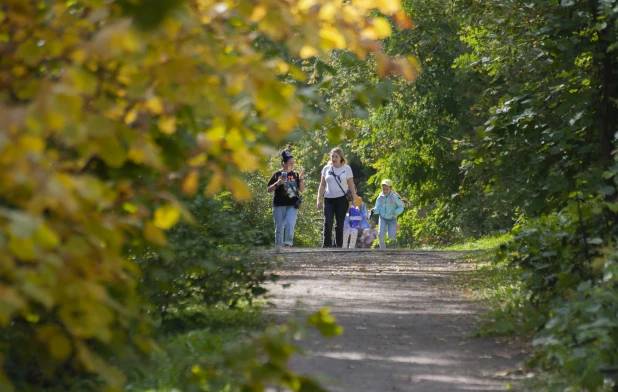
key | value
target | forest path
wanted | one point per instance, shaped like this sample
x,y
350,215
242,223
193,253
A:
x,y
407,327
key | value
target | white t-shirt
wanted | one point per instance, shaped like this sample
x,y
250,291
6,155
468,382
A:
x,y
342,173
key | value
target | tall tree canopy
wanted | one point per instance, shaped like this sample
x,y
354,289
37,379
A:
x,y
104,105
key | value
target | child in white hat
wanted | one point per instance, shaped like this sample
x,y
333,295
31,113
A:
x,y
388,206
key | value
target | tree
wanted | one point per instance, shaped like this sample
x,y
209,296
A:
x,y
104,105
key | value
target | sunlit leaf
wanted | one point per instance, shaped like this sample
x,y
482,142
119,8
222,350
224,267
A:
x,y
190,183
240,189
166,216
155,235
167,125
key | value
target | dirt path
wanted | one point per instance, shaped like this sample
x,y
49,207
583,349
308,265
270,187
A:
x,y
406,328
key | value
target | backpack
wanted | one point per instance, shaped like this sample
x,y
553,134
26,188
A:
x,y
355,218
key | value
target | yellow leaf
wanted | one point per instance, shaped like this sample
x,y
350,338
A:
x,y
190,183
167,124
59,346
240,189
19,70
166,216
131,116
403,21
45,237
112,152
389,7
259,12
22,248
244,160
53,121
298,74
136,155
405,68
214,184
154,234
282,67
84,81
332,38
154,105
197,160
382,27
78,56
31,143
308,52
383,65
328,11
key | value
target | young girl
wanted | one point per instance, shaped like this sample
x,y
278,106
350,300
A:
x,y
355,220
388,206
369,235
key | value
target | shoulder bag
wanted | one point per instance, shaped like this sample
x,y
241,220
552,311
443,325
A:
x,y
348,193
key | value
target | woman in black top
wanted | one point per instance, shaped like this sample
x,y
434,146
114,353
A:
x,y
287,185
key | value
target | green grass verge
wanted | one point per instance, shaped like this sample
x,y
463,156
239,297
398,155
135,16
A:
x,y
169,369
489,243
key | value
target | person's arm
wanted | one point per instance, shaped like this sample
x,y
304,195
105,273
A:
x,y
352,189
274,183
399,208
376,208
301,181
321,191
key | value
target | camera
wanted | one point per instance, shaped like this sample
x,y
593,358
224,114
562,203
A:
x,y
284,175
298,202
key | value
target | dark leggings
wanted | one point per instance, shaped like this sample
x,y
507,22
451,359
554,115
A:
x,y
334,208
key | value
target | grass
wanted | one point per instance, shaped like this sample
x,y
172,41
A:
x,y
489,242
206,346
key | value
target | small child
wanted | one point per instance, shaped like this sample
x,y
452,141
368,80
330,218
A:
x,y
355,220
369,235
388,206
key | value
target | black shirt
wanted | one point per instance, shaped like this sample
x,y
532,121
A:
x,y
284,194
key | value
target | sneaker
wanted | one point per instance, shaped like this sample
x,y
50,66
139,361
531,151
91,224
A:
x,y
287,245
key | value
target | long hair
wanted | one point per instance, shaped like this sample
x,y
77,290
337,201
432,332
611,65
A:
x,y
339,151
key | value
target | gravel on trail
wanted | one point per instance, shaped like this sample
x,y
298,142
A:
x,y
407,326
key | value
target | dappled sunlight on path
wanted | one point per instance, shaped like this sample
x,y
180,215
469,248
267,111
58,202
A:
x,y
406,327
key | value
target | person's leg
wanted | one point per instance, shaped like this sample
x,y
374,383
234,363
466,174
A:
x,y
327,231
346,234
382,232
340,210
290,223
392,229
279,218
353,236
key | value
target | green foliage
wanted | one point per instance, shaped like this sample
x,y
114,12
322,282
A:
x,y
206,264
556,250
240,355
171,366
579,344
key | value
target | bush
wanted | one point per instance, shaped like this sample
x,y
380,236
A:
x,y
207,264
579,344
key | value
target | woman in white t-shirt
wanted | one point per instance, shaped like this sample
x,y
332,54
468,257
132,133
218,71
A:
x,y
337,178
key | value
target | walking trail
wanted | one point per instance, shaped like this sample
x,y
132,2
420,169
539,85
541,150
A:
x,y
406,326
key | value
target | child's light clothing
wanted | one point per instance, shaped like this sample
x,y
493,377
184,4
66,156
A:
x,y
388,208
349,233
368,237
354,220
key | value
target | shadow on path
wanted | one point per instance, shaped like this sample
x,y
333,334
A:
x,y
406,328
